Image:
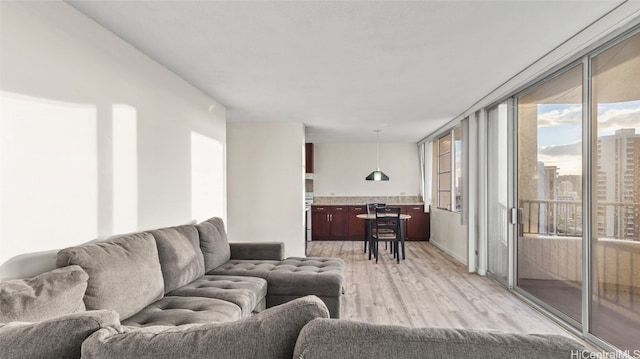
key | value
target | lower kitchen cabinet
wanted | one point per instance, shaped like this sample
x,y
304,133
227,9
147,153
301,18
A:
x,y
339,218
320,225
356,225
340,223
329,223
418,226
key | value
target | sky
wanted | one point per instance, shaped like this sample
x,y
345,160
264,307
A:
x,y
560,131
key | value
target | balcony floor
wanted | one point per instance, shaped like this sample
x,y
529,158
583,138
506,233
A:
x,y
619,327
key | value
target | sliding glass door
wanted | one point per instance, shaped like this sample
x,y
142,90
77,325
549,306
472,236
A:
x,y
615,179
549,193
575,254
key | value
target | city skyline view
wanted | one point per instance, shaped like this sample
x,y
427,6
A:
x,y
560,131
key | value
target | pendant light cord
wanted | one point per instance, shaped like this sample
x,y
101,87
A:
x,y
377,150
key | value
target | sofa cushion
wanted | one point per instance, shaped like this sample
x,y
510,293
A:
x,y
245,292
48,295
292,276
213,243
59,337
174,311
180,256
257,250
124,273
269,334
346,339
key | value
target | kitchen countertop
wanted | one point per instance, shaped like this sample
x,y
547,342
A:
x,y
356,201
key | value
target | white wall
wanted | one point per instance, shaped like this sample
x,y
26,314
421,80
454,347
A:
x,y
340,169
96,139
448,234
265,176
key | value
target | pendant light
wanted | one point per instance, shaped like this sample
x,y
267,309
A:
x,y
377,175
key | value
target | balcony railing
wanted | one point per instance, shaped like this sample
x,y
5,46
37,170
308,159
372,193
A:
x,y
617,220
555,227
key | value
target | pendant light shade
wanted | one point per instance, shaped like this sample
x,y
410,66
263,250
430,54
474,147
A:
x,y
377,175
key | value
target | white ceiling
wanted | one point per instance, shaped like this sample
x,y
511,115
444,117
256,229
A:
x,y
346,68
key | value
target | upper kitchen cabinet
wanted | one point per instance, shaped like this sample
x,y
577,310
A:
x,y
308,157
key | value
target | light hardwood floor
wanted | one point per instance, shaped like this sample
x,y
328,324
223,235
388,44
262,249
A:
x,y
428,289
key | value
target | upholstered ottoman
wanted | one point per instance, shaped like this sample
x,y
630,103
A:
x,y
175,311
293,278
248,293
209,299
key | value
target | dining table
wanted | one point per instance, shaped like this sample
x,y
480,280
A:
x,y
369,218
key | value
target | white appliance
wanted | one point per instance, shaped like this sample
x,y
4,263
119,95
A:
x,y
308,201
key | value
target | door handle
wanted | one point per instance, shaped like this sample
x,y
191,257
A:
x,y
516,216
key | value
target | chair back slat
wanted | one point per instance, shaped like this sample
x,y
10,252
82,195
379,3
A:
x,y
388,218
371,207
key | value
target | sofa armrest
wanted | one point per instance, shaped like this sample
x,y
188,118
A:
x,y
59,337
257,250
271,333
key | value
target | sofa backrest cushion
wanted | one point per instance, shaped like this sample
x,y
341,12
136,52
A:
x,y
50,294
213,243
124,273
180,256
270,334
59,337
323,338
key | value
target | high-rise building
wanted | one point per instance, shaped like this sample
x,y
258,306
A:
x,y
618,185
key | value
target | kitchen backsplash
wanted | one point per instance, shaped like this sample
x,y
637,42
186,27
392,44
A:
x,y
346,200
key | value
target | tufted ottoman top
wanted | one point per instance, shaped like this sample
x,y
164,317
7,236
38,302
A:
x,y
245,292
174,311
292,276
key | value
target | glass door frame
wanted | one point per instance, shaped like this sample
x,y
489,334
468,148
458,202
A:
x,y
590,133
511,230
516,215
589,140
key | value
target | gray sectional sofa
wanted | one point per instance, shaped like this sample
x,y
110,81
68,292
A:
x,y
191,274
184,292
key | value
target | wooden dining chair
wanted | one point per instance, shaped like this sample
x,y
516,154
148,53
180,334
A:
x,y
387,230
371,209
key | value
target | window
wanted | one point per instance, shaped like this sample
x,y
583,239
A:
x,y
457,174
448,163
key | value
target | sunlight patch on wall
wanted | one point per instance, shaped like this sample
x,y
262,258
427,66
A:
x,y
125,168
46,144
207,177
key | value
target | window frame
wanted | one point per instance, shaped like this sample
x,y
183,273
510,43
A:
x,y
454,204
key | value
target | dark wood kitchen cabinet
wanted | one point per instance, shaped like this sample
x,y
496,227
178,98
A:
x,y
340,222
329,223
308,157
418,226
320,225
356,225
